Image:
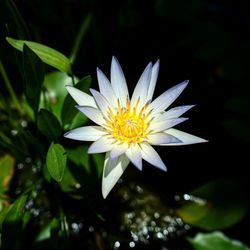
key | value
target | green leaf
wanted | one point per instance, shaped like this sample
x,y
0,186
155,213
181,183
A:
x,y
69,184
215,240
45,233
80,156
56,161
83,29
16,211
33,77
49,125
99,163
12,227
54,92
69,110
216,205
7,163
3,212
48,55
79,120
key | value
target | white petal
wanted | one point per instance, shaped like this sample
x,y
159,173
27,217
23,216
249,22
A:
x,y
93,114
112,171
163,125
162,138
134,155
88,133
184,137
153,80
118,81
151,156
103,144
142,86
118,150
167,98
174,112
101,101
105,87
80,97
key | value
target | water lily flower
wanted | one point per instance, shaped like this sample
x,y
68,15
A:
x,y
127,128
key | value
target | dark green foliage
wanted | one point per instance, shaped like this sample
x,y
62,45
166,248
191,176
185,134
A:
x,y
33,75
50,188
48,124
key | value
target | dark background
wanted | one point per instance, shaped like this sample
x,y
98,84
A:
x,y
205,41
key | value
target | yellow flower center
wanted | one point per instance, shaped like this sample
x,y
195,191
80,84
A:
x,y
129,124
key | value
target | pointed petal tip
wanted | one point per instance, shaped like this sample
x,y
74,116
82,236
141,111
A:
x,y
104,195
165,169
66,134
186,138
112,172
204,140
157,63
92,91
89,151
114,59
67,86
184,83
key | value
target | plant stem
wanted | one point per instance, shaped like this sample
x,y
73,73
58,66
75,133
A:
x,y
9,88
83,29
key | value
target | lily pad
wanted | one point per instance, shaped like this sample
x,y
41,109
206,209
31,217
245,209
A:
x,y
215,240
216,205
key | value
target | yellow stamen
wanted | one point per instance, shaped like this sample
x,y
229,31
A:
x,y
129,124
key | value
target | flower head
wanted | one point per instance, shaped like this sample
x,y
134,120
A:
x,y
128,127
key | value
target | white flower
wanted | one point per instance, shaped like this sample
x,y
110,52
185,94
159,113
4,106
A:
x,y
128,127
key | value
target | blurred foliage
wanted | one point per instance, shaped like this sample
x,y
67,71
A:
x,y
215,240
50,194
215,205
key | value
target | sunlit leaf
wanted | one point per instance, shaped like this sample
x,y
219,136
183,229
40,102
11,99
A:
x,y
48,55
49,125
216,205
69,110
33,77
7,163
215,241
56,161
54,91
